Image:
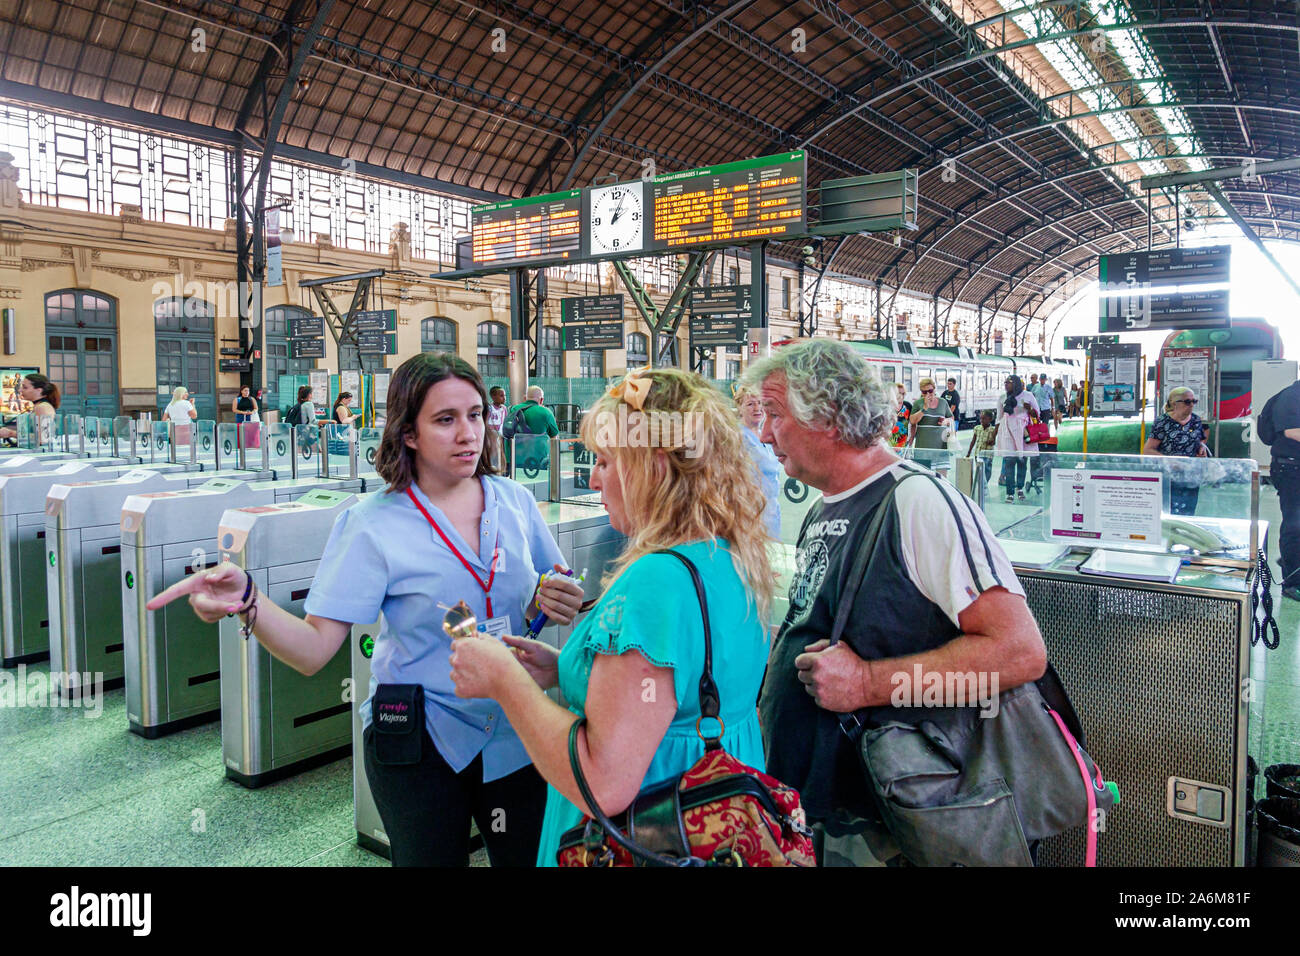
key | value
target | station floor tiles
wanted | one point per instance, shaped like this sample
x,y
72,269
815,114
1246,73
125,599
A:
x,y
82,790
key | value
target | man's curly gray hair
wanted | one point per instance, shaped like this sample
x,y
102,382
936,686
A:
x,y
829,385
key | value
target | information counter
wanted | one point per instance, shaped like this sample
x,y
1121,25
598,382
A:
x,y
1146,615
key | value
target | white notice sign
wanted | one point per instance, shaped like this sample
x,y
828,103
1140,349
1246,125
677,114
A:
x,y
1093,507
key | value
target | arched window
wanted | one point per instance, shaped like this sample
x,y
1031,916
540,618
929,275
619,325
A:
x,y
638,350
493,350
438,335
550,357
592,363
183,314
81,351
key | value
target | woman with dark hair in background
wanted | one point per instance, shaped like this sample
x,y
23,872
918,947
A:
x,y
245,406
44,396
342,414
465,534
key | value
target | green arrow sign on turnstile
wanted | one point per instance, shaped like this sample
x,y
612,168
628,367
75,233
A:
x,y
367,646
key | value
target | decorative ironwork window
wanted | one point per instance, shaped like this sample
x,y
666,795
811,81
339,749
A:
x,y
68,162
184,314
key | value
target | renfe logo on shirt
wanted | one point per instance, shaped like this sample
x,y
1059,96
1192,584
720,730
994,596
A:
x,y
393,714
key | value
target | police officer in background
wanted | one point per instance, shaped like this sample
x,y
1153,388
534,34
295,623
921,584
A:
x,y
1284,474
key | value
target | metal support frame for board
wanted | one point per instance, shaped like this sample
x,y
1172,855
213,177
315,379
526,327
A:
x,y
341,326
666,321
809,329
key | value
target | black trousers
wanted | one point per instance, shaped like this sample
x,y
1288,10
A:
x,y
427,808
1285,478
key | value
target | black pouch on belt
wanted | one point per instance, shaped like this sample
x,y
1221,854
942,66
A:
x,y
397,716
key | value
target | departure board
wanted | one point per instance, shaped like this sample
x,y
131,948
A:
x,y
523,230
729,204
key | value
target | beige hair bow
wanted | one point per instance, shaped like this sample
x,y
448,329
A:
x,y
634,388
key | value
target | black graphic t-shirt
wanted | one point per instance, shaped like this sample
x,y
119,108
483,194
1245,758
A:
x,y
936,555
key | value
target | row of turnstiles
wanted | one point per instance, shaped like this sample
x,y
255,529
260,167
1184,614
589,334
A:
x,y
85,542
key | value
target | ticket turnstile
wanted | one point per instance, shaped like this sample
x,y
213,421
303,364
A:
x,y
83,544
172,659
18,463
21,460
365,815
274,721
25,631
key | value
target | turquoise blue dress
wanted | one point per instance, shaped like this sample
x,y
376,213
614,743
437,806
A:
x,y
652,608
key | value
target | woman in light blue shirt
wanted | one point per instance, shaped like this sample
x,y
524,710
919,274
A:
x,y
633,667
445,530
770,473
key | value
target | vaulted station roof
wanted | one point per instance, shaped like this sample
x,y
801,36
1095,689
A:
x,y
1030,124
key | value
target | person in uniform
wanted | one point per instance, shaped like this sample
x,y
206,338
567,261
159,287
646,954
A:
x,y
465,534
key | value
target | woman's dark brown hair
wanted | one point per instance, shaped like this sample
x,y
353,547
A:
x,y
395,462
304,393
49,391
343,397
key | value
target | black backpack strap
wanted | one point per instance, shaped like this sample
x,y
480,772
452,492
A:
x,y
852,724
867,548
710,700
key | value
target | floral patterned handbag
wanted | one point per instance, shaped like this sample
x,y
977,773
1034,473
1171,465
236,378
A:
x,y
718,813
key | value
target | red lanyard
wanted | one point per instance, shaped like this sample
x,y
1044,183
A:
x,y
487,588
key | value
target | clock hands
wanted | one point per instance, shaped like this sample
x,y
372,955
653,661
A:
x,y
618,210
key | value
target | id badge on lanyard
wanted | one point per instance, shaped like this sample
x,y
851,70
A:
x,y
492,573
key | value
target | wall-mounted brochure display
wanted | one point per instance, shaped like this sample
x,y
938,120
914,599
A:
x,y
1116,379
1095,507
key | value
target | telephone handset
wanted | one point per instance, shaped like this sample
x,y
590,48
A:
x,y
1179,531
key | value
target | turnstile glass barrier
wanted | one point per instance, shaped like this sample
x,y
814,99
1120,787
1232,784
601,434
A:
x,y
368,441
530,461
339,449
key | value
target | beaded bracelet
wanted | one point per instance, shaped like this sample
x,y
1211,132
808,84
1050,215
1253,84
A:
x,y
247,606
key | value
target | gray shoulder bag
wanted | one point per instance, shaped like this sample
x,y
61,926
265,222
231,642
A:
x,y
958,789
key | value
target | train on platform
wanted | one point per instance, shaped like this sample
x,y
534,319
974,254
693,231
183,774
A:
x,y
980,377
1244,342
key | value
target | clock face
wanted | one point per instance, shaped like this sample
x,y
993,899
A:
x,y
617,218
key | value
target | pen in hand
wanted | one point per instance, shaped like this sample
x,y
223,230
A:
x,y
537,623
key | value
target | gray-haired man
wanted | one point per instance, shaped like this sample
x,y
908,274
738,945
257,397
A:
x,y
940,595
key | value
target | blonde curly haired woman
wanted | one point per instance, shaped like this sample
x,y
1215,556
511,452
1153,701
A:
x,y
673,472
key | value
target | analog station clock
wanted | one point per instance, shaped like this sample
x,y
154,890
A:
x,y
617,218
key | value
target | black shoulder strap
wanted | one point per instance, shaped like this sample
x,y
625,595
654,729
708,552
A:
x,y
870,541
710,701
